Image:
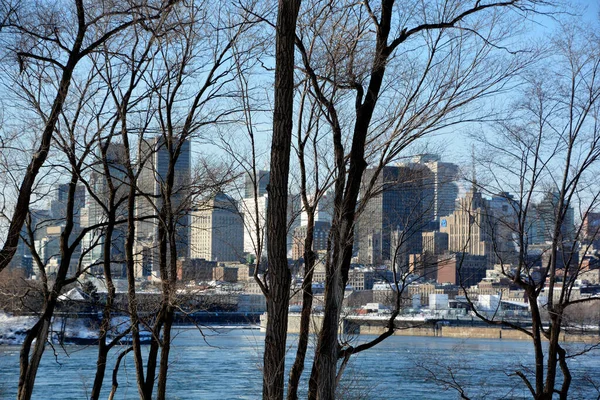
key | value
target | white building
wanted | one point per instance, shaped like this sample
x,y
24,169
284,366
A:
x,y
323,211
217,230
255,218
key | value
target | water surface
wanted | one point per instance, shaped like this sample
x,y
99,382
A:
x,y
226,364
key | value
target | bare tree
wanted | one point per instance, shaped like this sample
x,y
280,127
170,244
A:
x,y
547,156
170,85
346,51
315,179
57,39
73,144
178,125
107,190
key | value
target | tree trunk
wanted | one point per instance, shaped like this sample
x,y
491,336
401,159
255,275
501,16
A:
x,y
110,296
115,382
536,330
30,365
279,276
169,292
130,262
552,356
100,366
327,346
164,355
305,320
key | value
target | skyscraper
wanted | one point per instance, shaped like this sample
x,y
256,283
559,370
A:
x,y
323,210
217,230
261,184
591,229
469,227
504,220
441,182
255,218
96,213
254,207
398,207
58,204
154,159
543,217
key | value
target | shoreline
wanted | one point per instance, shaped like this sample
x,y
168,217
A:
x,y
434,328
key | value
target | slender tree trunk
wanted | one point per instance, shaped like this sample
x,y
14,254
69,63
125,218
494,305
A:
x,y
327,349
155,343
115,374
552,353
305,320
30,364
153,354
164,355
100,365
169,294
562,359
130,263
107,311
279,276
323,384
536,330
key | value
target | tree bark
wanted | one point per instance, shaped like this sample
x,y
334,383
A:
x,y
279,276
307,300
115,382
536,331
29,365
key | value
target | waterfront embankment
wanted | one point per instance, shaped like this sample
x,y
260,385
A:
x,y
459,328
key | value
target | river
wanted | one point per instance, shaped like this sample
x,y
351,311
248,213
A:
x,y
225,364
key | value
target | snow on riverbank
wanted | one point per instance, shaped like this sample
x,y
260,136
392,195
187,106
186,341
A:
x,y
14,328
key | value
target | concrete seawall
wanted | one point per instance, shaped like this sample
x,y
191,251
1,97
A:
x,y
430,328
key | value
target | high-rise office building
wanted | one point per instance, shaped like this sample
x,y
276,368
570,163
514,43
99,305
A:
x,y
217,230
591,229
504,221
259,184
323,216
97,212
154,160
469,227
323,210
543,217
320,236
440,184
395,213
58,204
254,207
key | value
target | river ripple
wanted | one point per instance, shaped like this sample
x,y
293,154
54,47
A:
x,y
226,365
